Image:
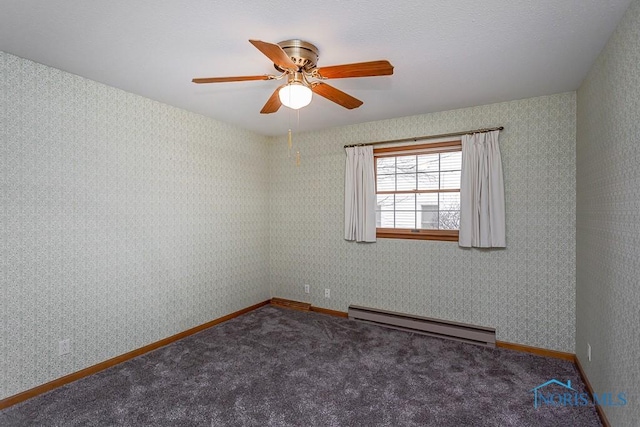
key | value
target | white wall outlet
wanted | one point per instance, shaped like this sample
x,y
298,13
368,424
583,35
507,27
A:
x,y
589,352
64,347
306,289
327,293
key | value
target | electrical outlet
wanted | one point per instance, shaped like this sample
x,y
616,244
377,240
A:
x,y
589,352
327,293
306,289
64,347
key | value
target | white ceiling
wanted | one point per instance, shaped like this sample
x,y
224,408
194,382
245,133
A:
x,y
447,54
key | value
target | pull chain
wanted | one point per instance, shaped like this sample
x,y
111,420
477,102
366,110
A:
x,y
290,140
297,146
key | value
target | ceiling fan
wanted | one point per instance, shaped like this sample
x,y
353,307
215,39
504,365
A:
x,y
296,61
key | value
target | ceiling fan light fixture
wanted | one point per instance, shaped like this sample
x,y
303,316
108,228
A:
x,y
295,95
297,61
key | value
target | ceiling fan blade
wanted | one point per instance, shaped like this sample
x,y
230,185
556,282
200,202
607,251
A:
x,y
360,69
336,95
275,54
273,103
231,79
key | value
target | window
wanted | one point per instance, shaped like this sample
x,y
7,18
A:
x,y
418,191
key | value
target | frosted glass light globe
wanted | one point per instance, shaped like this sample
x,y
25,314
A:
x,y
295,95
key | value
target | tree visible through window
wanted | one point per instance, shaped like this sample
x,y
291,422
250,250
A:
x,y
418,191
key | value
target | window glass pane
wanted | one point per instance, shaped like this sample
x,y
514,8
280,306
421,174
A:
x,y
386,182
406,181
406,164
450,201
450,161
428,219
449,220
386,219
405,219
427,201
408,210
406,202
385,165
449,180
428,162
428,181
385,202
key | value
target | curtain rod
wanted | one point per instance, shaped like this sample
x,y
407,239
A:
x,y
419,138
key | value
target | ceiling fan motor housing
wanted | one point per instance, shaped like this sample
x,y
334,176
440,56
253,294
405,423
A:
x,y
303,54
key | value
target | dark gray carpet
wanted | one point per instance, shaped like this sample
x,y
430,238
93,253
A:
x,y
278,367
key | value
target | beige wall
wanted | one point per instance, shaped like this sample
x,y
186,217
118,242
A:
x,y
124,221
608,220
527,291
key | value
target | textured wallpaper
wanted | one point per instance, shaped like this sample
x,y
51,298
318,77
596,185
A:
x,y
608,219
123,221
527,292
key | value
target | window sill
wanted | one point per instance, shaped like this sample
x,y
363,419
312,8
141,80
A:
x,y
401,233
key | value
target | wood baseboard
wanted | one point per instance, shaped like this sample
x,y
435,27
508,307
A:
x,y
329,311
304,306
599,409
286,303
537,351
28,394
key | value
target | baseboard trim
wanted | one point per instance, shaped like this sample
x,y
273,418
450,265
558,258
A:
x,y
599,409
537,351
329,312
287,303
59,382
305,306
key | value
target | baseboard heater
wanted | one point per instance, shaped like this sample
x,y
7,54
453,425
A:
x,y
423,325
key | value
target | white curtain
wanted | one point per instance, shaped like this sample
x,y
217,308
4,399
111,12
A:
x,y
360,195
482,214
